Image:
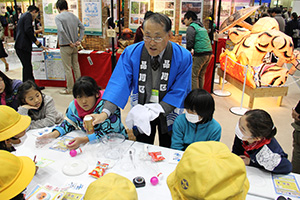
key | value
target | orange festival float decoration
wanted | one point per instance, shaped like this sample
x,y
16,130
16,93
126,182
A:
x,y
254,47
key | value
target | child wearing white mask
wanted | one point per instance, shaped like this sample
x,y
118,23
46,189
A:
x,y
255,143
197,124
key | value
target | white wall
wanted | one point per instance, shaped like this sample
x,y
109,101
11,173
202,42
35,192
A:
x,y
296,6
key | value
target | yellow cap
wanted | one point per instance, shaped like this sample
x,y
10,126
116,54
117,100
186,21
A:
x,y
208,170
11,122
111,186
16,172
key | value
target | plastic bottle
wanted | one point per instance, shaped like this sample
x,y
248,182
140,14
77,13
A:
x,y
74,152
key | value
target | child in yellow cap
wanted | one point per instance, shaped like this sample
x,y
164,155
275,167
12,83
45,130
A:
x,y
12,127
111,186
208,170
16,172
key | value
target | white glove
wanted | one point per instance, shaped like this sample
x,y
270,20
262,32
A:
x,y
141,115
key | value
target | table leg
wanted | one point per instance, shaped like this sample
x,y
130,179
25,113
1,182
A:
x,y
251,102
279,100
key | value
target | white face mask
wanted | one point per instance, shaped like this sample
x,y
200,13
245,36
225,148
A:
x,y
239,133
23,138
193,118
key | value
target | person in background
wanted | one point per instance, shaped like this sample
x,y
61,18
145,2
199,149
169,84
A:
x,y
292,29
16,172
9,18
111,186
38,28
197,124
16,18
296,139
256,145
121,20
198,43
157,75
87,101
67,30
202,160
39,107
8,91
18,15
12,128
139,35
24,39
3,54
276,13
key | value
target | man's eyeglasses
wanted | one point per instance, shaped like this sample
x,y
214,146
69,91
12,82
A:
x,y
156,39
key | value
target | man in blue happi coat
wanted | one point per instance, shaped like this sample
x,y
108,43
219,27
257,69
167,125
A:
x,y
157,75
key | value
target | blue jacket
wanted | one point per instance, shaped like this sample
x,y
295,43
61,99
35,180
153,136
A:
x,y
271,157
125,77
112,124
186,133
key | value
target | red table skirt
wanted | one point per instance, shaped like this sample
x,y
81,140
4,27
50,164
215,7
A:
x,y
99,69
221,45
208,75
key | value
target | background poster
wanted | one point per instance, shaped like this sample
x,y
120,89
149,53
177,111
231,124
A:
x,y
38,65
137,10
54,67
50,13
225,10
166,7
192,5
239,4
92,16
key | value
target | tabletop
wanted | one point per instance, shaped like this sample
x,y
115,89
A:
x,y
132,163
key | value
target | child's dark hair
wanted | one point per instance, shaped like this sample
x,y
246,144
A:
x,y
260,124
23,89
3,146
201,102
85,86
8,84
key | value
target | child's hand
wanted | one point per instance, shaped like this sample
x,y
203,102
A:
x,y
53,134
45,139
245,159
99,118
76,142
30,107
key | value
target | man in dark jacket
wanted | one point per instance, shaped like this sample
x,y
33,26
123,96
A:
x,y
24,39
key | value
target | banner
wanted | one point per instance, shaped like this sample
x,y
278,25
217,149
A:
x,y
137,10
192,5
92,16
50,13
166,7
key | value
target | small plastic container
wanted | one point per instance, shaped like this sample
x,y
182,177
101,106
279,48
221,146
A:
x,y
88,120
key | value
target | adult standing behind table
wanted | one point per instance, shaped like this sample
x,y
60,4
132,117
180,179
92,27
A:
x,y
25,37
156,71
198,43
67,30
